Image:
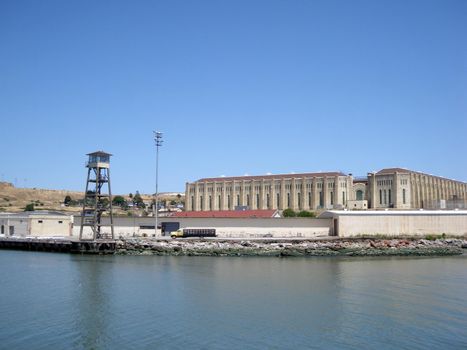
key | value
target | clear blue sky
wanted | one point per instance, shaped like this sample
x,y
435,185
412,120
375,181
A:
x,y
237,87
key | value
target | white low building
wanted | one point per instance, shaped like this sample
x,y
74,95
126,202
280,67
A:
x,y
226,227
397,223
36,224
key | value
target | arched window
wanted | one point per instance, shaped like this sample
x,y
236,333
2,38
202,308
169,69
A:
x,y
359,195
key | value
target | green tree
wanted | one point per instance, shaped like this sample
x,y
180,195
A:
x,y
119,201
306,214
289,213
67,201
29,207
138,201
104,202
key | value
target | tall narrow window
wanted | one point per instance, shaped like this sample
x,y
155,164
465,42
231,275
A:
x,y
332,198
238,199
219,202
403,196
278,197
201,202
288,200
380,197
320,199
210,203
228,201
257,201
192,203
299,199
309,199
343,198
248,200
385,197
389,197
267,200
359,195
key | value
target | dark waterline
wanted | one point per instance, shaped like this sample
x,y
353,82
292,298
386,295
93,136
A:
x,y
65,301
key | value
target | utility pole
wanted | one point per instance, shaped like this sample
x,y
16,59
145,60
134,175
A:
x,y
158,141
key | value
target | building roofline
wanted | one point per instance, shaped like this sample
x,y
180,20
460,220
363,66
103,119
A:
x,y
272,176
389,171
415,212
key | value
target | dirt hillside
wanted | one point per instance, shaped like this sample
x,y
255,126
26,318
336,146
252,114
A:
x,y
14,199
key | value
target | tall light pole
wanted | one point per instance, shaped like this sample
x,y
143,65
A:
x,y
158,140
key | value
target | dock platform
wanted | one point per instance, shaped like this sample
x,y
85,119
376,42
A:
x,y
59,245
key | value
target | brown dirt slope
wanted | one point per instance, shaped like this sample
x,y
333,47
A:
x,y
14,199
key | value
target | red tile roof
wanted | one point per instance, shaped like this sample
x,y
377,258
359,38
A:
x,y
278,176
226,214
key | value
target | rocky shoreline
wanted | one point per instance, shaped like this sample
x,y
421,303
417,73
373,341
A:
x,y
283,248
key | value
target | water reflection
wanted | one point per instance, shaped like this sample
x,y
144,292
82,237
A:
x,y
101,302
93,298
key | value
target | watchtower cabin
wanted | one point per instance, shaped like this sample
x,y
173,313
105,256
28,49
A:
x,y
97,199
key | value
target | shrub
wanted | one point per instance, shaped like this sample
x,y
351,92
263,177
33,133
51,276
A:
x,y
289,213
306,214
29,207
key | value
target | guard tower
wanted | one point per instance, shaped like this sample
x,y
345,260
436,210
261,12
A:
x,y
96,201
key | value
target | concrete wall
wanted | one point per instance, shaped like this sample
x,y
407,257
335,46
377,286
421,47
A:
x,y
416,223
16,226
357,205
51,227
228,227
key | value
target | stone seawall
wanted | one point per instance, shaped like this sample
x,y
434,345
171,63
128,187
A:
x,y
280,248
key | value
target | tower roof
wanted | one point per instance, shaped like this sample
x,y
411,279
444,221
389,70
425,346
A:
x,y
99,153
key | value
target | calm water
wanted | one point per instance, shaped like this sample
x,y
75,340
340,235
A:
x,y
60,301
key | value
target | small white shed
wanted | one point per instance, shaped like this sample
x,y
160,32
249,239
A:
x,y
36,224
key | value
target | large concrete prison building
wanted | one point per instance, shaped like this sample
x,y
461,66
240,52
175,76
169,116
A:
x,y
389,188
